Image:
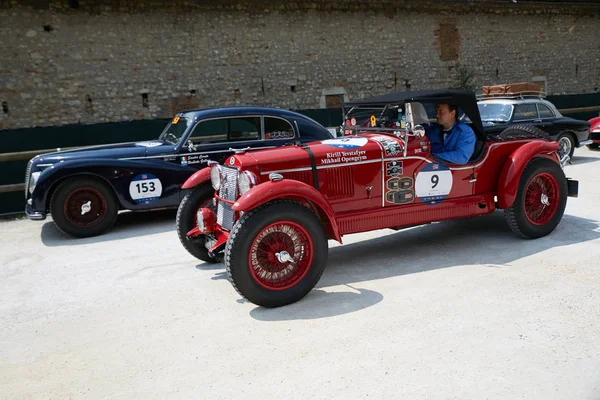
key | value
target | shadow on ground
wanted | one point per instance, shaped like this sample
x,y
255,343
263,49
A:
x,y
128,225
484,240
583,160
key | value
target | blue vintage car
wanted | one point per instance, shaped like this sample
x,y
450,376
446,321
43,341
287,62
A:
x,y
85,188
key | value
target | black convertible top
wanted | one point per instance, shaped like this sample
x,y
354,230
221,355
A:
x,y
464,99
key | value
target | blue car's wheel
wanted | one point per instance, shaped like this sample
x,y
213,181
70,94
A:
x,y
83,207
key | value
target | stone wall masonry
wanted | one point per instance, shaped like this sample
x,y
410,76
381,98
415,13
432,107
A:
x,y
126,60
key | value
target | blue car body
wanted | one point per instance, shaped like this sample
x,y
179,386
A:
x,y
148,175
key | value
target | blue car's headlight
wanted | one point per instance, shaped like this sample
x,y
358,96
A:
x,y
33,180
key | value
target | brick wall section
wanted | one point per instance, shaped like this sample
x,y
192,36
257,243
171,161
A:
x,y
133,59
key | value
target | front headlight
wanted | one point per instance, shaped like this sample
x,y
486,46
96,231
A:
x,y
33,180
215,176
246,181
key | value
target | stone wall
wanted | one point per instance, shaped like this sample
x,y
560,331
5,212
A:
x,y
76,61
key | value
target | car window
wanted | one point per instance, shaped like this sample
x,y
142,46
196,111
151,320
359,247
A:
x,y
226,130
545,111
244,128
495,112
525,111
276,128
176,128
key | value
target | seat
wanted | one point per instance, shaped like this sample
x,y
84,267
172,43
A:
x,y
478,151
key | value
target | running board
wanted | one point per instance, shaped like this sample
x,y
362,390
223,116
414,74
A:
x,y
415,214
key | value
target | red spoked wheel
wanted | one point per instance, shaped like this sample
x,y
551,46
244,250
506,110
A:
x,y
85,207
199,197
280,255
541,199
276,253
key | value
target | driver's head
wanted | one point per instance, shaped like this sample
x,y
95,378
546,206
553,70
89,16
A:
x,y
446,114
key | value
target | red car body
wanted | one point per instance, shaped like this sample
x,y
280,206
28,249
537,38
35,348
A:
x,y
299,196
595,132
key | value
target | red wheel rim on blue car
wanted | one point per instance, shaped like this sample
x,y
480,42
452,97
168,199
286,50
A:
x,y
85,207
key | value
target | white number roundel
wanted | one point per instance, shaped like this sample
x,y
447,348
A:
x,y
145,188
433,183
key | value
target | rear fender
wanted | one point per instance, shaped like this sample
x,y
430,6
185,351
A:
x,y
198,178
508,183
283,189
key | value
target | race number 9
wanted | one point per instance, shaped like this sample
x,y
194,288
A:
x,y
433,182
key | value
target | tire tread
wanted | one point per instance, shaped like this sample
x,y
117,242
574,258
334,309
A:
x,y
235,236
512,214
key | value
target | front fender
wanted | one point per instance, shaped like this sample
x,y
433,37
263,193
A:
x,y
286,188
508,182
198,178
118,175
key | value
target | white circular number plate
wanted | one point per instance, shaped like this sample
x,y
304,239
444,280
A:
x,y
145,188
433,183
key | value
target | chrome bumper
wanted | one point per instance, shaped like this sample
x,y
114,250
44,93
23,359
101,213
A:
x,y
585,142
34,215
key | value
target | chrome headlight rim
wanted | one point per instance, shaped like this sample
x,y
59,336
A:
x,y
246,181
419,131
216,176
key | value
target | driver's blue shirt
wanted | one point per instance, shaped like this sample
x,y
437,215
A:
x,y
457,147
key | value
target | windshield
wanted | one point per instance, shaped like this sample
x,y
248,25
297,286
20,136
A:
x,y
176,128
495,112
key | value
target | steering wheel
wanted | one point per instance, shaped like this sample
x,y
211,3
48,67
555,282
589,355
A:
x,y
169,135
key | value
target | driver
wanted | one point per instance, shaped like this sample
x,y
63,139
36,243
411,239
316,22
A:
x,y
451,140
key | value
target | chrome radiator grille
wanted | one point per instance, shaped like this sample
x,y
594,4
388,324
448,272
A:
x,y
228,191
229,185
225,215
27,176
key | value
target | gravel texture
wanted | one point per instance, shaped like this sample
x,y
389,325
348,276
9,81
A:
x,y
455,310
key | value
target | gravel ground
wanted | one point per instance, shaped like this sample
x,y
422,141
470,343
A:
x,y
454,310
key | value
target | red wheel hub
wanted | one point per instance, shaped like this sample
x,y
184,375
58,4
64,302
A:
x,y
541,198
85,207
281,255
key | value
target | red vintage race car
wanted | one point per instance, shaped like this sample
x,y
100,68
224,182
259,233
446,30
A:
x,y
594,133
275,210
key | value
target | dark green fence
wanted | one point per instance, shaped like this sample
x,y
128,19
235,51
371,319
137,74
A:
x,y
24,142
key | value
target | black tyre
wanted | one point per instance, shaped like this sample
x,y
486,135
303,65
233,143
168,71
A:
x,y
566,145
541,200
276,253
523,131
592,146
199,197
84,207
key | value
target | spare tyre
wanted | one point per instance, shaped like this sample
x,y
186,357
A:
x,y
522,131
